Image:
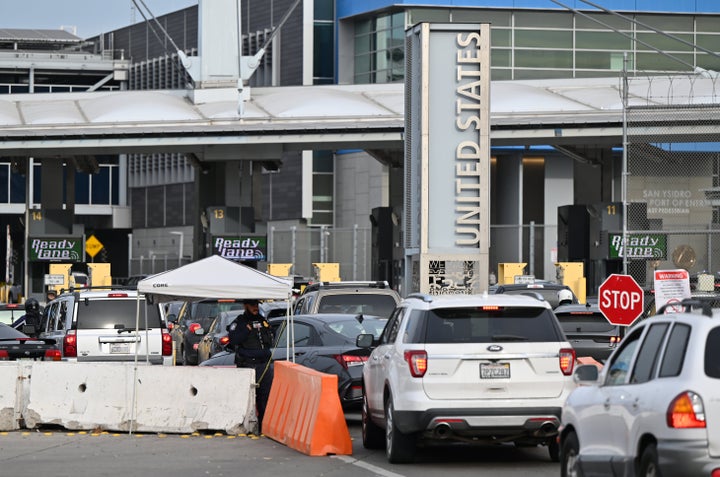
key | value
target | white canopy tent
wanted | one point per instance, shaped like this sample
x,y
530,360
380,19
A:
x,y
215,277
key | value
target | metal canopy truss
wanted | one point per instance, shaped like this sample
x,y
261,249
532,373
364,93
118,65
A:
x,y
549,112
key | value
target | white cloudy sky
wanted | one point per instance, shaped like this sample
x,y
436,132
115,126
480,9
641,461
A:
x,y
88,17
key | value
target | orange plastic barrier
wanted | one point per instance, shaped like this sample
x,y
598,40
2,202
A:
x,y
304,411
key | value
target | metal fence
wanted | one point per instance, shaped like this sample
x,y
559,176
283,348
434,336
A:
x,y
672,185
302,247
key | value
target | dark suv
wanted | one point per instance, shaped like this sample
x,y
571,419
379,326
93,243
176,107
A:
x,y
365,297
193,322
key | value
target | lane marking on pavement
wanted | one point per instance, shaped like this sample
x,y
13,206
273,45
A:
x,y
372,468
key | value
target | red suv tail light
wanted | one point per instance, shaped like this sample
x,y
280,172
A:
x,y
194,327
348,360
686,411
70,345
224,340
166,344
567,361
417,360
4,355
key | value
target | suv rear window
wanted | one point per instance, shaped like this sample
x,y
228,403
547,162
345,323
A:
x,y
115,314
584,321
476,325
365,303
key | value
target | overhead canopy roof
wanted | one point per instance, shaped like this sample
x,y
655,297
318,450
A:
x,y
206,122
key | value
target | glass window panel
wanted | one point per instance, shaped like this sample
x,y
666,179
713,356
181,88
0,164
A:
x,y
500,74
363,27
322,218
4,183
101,186
589,23
596,40
323,161
322,204
428,15
543,59
657,61
707,23
363,63
322,186
663,43
543,39
115,184
382,38
363,44
481,16
322,61
536,19
500,37
600,60
666,22
708,62
363,78
382,23
323,10
82,188
397,20
37,181
521,74
709,42
17,188
595,74
500,57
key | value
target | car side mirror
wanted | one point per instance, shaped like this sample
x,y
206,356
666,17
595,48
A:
x,y
586,374
365,340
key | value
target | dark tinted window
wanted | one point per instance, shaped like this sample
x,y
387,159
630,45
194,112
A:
x,y
649,352
478,325
348,330
365,303
585,322
115,313
712,353
415,329
392,327
303,334
675,351
621,360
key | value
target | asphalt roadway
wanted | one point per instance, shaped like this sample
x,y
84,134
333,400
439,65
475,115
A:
x,y
60,453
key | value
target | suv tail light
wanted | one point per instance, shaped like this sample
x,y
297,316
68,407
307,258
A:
x,y
194,327
686,411
417,359
567,361
348,360
4,355
166,344
224,340
70,345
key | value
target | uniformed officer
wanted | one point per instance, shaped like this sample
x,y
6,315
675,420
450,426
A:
x,y
29,323
252,338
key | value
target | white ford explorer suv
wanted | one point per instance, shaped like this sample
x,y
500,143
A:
x,y
109,325
480,368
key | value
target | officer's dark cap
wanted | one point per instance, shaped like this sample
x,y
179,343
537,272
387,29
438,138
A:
x,y
251,301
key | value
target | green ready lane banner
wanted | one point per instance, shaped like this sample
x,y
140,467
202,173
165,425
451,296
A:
x,y
55,249
638,246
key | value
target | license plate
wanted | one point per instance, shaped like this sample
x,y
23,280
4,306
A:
x,y
119,348
494,370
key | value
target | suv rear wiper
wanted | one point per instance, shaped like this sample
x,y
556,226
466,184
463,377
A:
x,y
130,330
508,338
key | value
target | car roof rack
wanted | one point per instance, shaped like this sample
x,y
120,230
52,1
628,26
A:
x,y
688,304
349,284
97,288
421,296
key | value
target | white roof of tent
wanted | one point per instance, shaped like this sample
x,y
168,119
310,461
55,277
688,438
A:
x,y
215,277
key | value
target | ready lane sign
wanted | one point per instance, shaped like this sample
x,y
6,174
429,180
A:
x,y
621,300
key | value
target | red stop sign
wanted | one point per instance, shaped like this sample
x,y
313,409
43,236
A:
x,y
621,299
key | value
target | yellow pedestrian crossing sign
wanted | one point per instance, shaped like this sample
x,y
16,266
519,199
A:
x,y
93,246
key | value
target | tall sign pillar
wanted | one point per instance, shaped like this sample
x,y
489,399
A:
x,y
447,158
